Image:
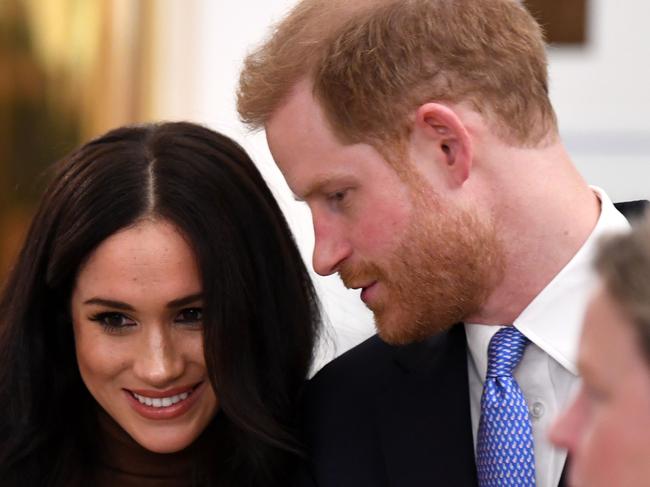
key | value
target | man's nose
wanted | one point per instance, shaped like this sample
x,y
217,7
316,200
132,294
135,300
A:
x,y
159,362
331,247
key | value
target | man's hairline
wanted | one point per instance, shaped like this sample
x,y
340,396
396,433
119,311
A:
x,y
378,144
390,146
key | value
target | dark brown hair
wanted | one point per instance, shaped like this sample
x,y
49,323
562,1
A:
x,y
261,311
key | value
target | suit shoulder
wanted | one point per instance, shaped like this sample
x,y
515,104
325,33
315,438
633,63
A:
x,y
340,415
632,210
368,365
374,364
343,397
364,361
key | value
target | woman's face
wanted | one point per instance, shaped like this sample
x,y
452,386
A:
x,y
137,317
607,428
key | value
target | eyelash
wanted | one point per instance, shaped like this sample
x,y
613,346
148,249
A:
x,y
195,319
338,198
103,317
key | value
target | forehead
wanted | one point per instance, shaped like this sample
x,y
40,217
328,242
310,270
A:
x,y
305,148
150,253
299,126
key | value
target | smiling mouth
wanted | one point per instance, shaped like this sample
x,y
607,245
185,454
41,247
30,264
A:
x,y
163,401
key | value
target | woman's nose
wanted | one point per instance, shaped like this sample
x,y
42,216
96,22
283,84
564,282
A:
x,y
159,362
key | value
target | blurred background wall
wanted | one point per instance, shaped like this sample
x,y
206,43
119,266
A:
x,y
71,69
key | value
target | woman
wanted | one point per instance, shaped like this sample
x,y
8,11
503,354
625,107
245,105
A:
x,y
159,323
607,428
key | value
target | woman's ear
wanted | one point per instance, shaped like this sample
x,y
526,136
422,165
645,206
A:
x,y
447,139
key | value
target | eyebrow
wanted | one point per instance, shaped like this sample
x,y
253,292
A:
x,y
111,303
319,183
191,298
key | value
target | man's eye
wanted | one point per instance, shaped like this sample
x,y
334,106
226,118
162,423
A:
x,y
113,320
337,197
596,395
190,316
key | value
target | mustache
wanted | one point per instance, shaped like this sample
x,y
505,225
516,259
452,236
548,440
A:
x,y
359,274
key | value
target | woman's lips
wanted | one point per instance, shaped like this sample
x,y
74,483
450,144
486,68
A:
x,y
161,405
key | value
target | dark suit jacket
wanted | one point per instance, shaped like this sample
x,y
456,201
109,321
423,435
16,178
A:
x,y
385,416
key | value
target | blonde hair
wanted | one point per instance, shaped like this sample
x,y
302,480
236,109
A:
x,y
373,62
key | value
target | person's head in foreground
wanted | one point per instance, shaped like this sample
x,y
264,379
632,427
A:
x,y
159,320
421,135
607,427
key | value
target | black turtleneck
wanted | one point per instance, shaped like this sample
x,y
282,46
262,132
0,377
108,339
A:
x,y
121,461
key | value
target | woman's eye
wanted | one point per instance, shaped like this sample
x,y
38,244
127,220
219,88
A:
x,y
190,316
113,320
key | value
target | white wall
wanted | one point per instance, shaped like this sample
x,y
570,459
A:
x,y
600,92
602,97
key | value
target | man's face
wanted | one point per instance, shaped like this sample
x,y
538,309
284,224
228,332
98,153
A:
x,y
421,265
606,427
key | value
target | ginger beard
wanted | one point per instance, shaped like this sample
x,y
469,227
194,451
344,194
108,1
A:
x,y
443,269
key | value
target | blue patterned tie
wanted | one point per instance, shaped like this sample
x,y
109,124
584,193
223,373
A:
x,y
505,455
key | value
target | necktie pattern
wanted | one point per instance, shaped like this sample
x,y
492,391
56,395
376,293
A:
x,y
505,454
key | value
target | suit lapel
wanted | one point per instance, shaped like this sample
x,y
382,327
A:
x,y
425,419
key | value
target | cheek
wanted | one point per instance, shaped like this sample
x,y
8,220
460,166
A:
x,y
192,347
632,453
384,231
99,358
606,455
597,445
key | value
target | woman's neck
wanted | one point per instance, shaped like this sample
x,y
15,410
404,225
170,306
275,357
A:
x,y
120,460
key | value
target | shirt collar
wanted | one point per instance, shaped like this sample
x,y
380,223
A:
x,y
553,319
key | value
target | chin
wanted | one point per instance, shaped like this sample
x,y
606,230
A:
x,y
389,331
404,332
164,441
391,338
168,448
398,330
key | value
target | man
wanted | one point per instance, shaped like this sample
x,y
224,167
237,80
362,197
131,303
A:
x,y
421,136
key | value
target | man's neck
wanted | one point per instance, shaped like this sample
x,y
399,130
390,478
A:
x,y
544,215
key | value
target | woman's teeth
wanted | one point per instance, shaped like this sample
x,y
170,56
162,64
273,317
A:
x,y
161,402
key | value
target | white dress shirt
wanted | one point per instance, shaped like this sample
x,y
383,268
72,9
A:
x,y
547,373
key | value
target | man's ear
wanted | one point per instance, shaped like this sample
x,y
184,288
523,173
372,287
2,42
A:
x,y
445,133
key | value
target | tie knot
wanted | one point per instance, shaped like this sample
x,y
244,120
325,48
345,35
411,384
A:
x,y
505,351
